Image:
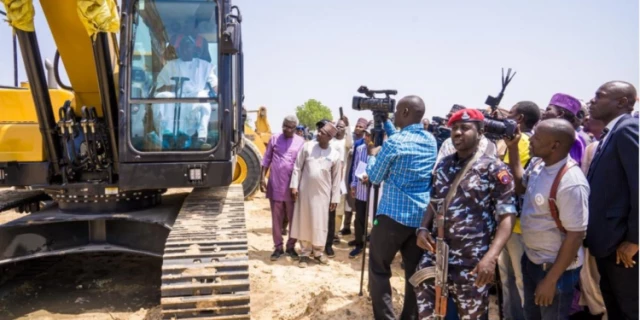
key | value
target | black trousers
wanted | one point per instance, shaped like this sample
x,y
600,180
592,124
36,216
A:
x,y
387,238
360,222
619,287
347,220
332,228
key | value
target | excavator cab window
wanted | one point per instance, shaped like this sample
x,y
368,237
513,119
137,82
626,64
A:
x,y
174,70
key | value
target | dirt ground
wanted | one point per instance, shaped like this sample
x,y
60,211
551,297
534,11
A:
x,y
122,286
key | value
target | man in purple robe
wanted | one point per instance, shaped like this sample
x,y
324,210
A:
x,y
566,107
279,159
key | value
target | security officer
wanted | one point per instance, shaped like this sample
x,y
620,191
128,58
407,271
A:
x,y
486,188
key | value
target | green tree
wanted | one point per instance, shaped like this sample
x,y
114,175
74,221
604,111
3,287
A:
x,y
311,112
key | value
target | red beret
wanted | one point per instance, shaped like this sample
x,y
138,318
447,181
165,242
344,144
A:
x,y
466,115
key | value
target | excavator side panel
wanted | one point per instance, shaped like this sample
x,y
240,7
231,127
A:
x,y
20,138
20,142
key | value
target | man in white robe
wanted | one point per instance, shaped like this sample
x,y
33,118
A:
x,y
315,188
193,118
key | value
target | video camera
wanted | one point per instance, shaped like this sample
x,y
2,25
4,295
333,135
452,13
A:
x,y
494,127
381,108
370,102
438,128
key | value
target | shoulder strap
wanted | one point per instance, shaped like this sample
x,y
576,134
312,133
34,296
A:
x,y
459,176
439,214
554,191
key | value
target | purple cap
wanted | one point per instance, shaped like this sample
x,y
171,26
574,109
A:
x,y
566,102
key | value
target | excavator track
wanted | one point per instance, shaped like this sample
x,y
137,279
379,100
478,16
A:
x,y
24,200
205,269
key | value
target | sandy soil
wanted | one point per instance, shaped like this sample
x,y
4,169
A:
x,y
282,290
119,286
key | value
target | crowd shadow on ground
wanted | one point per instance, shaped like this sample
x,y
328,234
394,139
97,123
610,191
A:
x,y
341,251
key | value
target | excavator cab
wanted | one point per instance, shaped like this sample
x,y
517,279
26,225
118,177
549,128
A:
x,y
173,95
178,72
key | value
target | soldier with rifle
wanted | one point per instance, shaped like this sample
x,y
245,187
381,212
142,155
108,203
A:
x,y
473,202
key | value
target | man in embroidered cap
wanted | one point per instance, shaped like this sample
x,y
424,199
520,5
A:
x,y
315,188
566,107
482,203
358,140
362,125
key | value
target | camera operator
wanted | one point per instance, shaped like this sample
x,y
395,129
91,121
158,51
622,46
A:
x,y
404,163
526,114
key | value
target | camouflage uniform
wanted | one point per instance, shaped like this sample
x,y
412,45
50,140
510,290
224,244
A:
x,y
469,228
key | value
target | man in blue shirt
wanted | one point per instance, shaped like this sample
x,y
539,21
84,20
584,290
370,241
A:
x,y
404,162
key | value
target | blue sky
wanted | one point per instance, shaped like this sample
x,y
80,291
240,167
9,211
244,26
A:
x,y
446,52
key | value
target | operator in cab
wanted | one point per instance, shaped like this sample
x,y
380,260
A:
x,y
185,77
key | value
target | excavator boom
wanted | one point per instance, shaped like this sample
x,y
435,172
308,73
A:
x,y
76,50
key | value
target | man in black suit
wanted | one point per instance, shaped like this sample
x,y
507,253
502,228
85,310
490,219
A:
x,y
612,234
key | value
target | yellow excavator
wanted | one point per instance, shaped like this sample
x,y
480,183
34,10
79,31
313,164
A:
x,y
150,106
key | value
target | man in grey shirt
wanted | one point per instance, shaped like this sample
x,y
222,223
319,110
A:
x,y
553,247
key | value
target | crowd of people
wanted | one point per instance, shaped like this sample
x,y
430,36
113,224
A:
x,y
553,209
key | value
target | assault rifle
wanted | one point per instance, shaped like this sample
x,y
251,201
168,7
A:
x,y
441,269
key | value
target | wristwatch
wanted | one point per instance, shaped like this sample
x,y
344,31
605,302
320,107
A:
x,y
420,229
